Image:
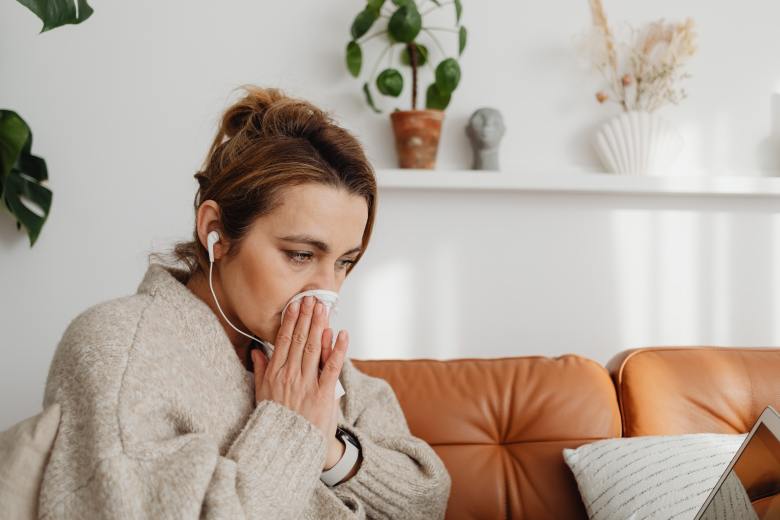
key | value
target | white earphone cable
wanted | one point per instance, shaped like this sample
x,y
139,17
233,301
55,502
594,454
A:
x,y
269,348
211,265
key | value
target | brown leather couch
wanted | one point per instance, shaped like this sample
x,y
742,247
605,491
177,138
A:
x,y
499,425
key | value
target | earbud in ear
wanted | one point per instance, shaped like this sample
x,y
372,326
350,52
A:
x,y
211,239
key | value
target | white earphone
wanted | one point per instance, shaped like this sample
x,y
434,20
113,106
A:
x,y
211,239
328,298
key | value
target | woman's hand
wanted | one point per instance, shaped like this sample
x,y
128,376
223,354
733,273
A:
x,y
292,376
335,446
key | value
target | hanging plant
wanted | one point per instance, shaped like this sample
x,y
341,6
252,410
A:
x,y
21,173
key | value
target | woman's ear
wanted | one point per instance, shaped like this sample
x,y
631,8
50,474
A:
x,y
208,220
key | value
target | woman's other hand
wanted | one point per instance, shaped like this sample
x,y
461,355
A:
x,y
292,377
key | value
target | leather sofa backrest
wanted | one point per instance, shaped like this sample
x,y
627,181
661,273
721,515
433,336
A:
x,y
677,390
499,425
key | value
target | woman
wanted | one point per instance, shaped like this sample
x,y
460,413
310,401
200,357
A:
x,y
168,410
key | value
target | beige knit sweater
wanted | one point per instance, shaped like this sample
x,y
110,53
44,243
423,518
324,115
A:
x,y
159,421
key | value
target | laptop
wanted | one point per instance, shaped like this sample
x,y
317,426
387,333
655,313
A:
x,y
749,489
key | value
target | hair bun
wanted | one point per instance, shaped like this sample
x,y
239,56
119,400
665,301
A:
x,y
270,112
247,114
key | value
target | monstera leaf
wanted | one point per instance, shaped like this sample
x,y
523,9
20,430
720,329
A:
x,y
21,172
55,13
21,175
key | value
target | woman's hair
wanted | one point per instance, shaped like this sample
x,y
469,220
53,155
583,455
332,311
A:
x,y
267,142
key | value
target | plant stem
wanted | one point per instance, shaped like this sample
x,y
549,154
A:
x,y
433,37
441,29
368,38
381,56
432,9
412,47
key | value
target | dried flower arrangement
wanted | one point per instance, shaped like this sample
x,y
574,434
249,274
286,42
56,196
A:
x,y
642,73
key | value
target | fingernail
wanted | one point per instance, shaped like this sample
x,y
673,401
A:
x,y
308,301
317,309
294,305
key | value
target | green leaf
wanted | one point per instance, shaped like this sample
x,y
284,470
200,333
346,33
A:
x,y
447,76
354,58
20,186
434,99
422,55
22,174
369,98
390,82
461,40
376,4
402,2
14,134
405,24
458,10
55,13
363,22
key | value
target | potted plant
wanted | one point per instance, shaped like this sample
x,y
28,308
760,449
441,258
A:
x,y
642,74
402,25
21,173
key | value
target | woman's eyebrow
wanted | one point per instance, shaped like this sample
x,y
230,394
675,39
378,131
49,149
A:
x,y
319,244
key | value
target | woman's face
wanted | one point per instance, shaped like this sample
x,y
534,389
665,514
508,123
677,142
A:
x,y
307,242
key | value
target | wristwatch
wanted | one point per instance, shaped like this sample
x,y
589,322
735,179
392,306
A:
x,y
347,461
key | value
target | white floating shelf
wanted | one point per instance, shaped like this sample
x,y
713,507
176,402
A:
x,y
405,179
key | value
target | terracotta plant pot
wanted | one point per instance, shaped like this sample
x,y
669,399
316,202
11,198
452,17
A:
x,y
417,137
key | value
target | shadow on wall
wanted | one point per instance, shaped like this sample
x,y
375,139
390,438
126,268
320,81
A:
x,y
681,270
769,148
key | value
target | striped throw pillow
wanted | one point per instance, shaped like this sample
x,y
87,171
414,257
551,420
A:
x,y
647,478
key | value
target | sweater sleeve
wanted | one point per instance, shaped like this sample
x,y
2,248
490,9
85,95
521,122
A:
x,y
400,475
133,440
269,471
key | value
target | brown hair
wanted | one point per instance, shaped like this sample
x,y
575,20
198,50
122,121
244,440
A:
x,y
268,142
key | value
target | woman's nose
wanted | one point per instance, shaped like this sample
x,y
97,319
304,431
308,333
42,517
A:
x,y
324,279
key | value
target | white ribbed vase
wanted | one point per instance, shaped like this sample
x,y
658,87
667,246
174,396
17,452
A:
x,y
638,143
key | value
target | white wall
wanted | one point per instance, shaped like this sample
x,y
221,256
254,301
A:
x,y
123,108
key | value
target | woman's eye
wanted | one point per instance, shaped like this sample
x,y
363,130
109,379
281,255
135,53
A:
x,y
299,257
304,257
346,263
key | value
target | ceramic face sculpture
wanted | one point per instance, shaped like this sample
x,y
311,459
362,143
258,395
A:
x,y
485,130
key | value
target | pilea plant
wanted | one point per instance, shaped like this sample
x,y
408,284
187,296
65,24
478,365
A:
x,y
405,24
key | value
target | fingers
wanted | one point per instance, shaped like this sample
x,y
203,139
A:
x,y
310,364
299,336
260,363
332,369
327,346
284,336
